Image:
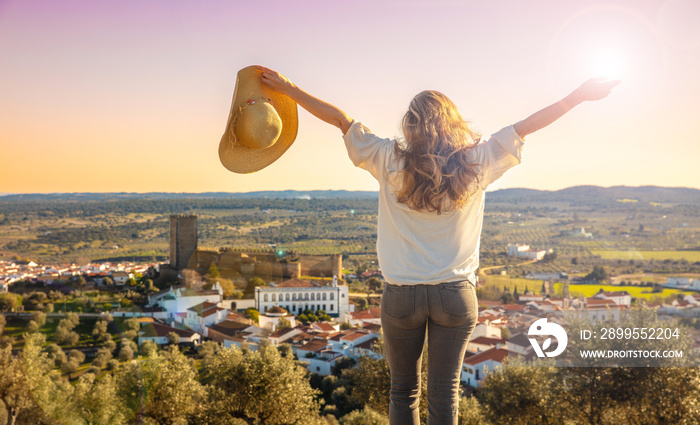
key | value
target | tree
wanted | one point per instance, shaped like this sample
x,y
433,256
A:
x,y
470,412
56,355
102,357
253,314
549,257
163,388
99,332
283,323
148,348
207,350
362,303
80,281
39,317
50,393
261,386
598,274
173,338
127,350
131,328
9,302
213,271
3,322
14,391
253,283
518,394
367,416
97,401
374,283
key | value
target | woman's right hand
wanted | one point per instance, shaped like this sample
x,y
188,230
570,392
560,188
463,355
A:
x,y
275,81
593,89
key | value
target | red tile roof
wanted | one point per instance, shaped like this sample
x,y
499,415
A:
x,y
314,345
488,341
212,311
371,327
159,330
229,327
369,344
372,313
280,332
353,336
325,327
495,354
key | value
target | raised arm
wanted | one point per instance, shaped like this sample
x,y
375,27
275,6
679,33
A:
x,y
593,89
317,107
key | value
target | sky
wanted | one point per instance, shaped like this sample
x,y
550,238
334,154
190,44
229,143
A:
x,y
133,96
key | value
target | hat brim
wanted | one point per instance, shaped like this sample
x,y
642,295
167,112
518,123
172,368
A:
x,y
242,159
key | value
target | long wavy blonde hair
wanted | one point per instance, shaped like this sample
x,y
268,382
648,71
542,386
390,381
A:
x,y
437,174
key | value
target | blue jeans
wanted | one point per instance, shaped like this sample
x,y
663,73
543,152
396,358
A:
x,y
448,313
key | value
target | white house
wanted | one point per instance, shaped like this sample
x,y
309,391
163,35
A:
x,y
201,316
346,341
618,297
178,300
158,333
683,283
476,367
360,318
311,348
485,328
594,309
520,344
482,343
296,295
322,362
547,276
544,305
281,336
270,320
120,277
524,251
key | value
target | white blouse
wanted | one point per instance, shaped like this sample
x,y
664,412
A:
x,y
419,247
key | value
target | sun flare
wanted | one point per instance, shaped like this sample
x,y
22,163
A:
x,y
607,63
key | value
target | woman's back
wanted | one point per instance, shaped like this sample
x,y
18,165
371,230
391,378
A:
x,y
415,246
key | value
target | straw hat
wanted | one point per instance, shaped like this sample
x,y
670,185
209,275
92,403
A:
x,y
262,125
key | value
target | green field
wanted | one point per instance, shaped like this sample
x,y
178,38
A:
x,y
691,256
587,290
500,281
634,291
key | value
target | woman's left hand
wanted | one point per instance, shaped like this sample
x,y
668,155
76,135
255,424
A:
x,y
275,81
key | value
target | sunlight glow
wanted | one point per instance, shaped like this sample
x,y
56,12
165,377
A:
x,y
607,63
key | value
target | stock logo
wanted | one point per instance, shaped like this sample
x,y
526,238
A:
x,y
543,328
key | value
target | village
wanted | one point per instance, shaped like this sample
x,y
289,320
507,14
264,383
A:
x,y
279,312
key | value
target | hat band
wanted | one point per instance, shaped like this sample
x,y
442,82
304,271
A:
x,y
232,140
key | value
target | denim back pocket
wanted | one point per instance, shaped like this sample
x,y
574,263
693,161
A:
x,y
399,301
458,298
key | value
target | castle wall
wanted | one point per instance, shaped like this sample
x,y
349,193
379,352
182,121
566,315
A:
x,y
243,263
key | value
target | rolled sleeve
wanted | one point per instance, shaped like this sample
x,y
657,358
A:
x,y
366,150
500,153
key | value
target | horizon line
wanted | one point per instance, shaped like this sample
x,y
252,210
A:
x,y
333,190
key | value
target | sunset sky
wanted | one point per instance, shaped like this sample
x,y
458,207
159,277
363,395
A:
x,y
133,96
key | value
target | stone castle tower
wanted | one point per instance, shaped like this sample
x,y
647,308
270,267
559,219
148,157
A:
x,y
183,239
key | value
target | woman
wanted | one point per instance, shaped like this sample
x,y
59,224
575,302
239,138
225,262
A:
x,y
431,204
